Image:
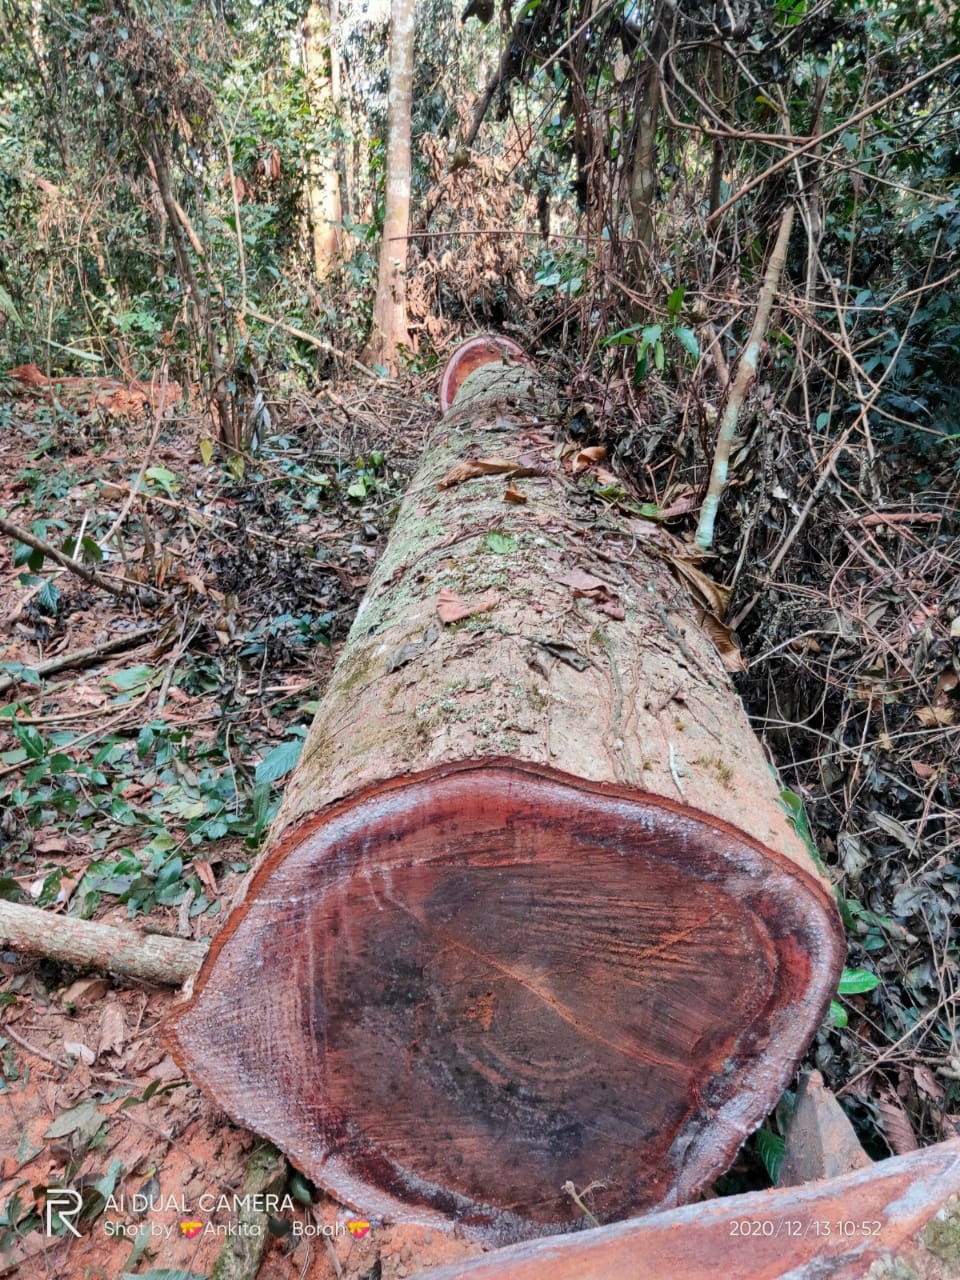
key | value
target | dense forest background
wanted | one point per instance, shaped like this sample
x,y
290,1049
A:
x,y
203,198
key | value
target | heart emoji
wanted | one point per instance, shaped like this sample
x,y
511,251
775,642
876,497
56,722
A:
x,y
358,1228
190,1228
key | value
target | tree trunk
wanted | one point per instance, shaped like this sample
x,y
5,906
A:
x,y
533,913
643,169
389,330
323,178
878,1222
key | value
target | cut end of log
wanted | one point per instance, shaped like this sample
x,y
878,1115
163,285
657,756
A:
x,y
458,992
486,348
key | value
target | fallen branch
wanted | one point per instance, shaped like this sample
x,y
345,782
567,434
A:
x,y
80,657
151,957
115,586
314,342
746,372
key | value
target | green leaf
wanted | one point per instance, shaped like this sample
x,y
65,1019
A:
x,y
48,597
838,1014
164,478
20,672
770,1148
169,873
89,549
300,1189
688,340
75,352
621,338
502,543
31,741
84,1119
260,802
10,890
855,981
145,740
675,301
358,489
280,761
8,308
206,450
108,1182
133,678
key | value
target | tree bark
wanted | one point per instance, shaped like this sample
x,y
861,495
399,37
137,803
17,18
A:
x,y
643,169
877,1222
323,178
151,957
532,912
389,331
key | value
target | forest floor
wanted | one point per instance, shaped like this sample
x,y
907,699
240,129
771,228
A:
x,y
138,783
131,781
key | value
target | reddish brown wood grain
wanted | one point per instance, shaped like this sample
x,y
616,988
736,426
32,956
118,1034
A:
x,y
533,914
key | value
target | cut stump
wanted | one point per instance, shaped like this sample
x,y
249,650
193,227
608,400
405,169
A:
x,y
532,913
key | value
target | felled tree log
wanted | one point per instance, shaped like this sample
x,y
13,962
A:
x,y
898,1219
533,918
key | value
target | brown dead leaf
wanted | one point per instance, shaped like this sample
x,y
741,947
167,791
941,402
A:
x,y
922,770
947,683
51,841
581,582
586,586
710,593
896,1125
207,878
805,644
112,1029
89,695
513,494
928,1083
723,642
85,991
679,505
472,468
451,608
932,717
606,477
587,457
